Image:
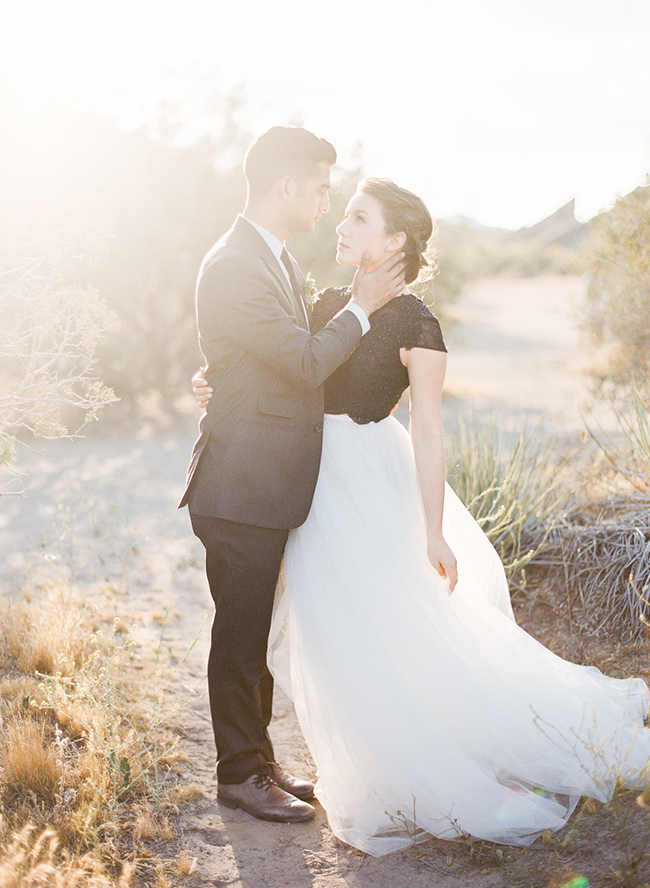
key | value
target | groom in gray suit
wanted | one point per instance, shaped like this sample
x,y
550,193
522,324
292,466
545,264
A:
x,y
254,467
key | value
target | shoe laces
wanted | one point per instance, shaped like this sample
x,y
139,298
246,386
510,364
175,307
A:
x,y
263,781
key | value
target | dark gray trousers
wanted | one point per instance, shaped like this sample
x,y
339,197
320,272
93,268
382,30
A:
x,y
242,565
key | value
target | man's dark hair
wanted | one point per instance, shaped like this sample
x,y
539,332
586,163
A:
x,y
284,151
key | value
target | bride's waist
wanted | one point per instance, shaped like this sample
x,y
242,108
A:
x,y
340,417
345,417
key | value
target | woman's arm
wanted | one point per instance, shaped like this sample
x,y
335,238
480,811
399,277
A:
x,y
426,369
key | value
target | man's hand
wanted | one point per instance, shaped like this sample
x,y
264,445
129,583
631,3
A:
x,y
202,391
372,289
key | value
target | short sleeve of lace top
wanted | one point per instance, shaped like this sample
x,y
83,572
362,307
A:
x,y
370,383
423,327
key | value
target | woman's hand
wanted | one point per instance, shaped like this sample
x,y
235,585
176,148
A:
x,y
202,391
443,559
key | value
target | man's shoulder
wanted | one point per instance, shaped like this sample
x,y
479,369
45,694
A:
x,y
233,251
232,243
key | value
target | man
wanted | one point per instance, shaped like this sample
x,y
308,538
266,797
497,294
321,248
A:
x,y
255,464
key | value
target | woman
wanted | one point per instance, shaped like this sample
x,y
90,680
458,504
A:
x,y
426,712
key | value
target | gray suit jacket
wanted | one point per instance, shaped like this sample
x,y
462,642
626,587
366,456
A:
x,y
257,457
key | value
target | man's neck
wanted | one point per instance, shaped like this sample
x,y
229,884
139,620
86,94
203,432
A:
x,y
266,218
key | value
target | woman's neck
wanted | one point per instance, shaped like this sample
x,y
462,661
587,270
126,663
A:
x,y
374,265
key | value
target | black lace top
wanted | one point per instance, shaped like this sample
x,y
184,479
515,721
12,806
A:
x,y
370,383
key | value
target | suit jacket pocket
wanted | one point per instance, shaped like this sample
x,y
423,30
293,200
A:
x,y
278,405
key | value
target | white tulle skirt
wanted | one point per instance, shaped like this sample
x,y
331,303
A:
x,y
430,714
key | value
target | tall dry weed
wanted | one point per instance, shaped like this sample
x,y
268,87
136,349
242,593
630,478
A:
x,y
77,758
30,763
45,636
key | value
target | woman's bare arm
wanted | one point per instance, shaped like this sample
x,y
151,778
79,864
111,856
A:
x,y
426,369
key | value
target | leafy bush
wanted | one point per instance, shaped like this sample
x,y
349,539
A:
x,y
49,331
617,306
161,205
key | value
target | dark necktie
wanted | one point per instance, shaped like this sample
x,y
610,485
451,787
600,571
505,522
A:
x,y
302,312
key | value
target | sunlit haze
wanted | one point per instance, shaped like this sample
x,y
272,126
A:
x,y
498,110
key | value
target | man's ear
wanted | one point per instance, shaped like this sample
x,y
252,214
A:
x,y
396,241
286,188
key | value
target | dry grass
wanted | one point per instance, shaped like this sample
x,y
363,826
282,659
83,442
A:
x,y
49,641
581,520
31,858
78,795
601,555
30,760
600,551
515,484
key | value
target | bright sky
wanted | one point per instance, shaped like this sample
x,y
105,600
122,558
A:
x,y
500,110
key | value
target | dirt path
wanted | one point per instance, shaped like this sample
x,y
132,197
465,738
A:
x,y
104,511
515,352
80,521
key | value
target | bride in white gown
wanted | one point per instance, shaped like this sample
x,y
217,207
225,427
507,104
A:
x,y
427,710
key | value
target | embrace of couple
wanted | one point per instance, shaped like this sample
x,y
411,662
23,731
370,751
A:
x,y
427,710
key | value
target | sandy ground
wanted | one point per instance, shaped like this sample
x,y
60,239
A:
x,y
102,512
515,353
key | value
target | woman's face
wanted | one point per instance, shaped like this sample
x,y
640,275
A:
x,y
363,231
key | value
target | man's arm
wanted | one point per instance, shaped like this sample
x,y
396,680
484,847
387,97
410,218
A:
x,y
370,290
244,308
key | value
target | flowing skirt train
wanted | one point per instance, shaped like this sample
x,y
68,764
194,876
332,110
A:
x,y
430,714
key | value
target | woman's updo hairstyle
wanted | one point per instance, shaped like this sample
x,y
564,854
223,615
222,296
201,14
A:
x,y
404,211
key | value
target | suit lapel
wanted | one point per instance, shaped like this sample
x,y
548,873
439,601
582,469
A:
x,y
259,245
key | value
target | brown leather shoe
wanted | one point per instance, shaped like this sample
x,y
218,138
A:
x,y
263,798
301,789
